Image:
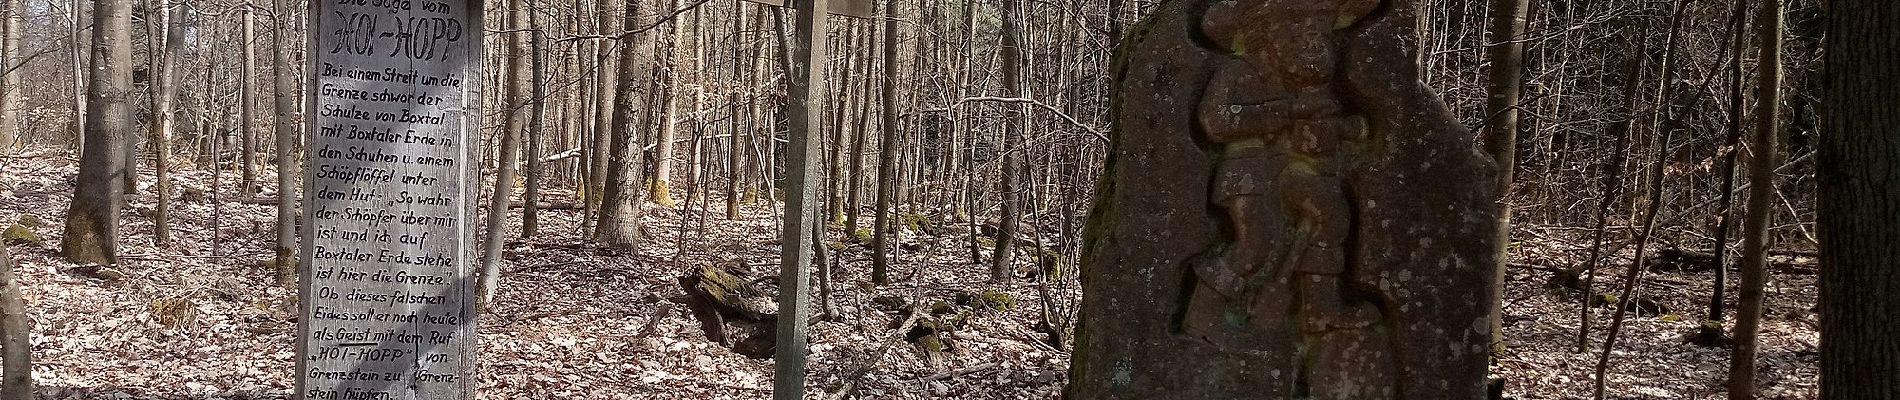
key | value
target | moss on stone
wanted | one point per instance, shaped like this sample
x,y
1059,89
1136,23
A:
x,y
914,221
942,307
997,300
20,233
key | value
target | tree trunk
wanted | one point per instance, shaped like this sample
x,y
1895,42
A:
x,y
660,189
15,342
604,127
1728,151
1859,210
1000,267
287,132
619,224
514,122
1761,178
11,64
834,187
854,187
81,54
537,127
164,115
1506,56
887,155
247,114
1501,135
92,220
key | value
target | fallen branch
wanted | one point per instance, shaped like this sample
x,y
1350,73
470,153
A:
x,y
851,381
957,372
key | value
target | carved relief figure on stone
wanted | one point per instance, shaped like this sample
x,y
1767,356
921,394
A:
x,y
1281,130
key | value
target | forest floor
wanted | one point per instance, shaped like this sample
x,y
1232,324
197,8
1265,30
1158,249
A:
x,y
575,322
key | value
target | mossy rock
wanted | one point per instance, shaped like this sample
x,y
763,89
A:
x,y
996,300
19,233
986,242
942,307
932,344
914,222
862,235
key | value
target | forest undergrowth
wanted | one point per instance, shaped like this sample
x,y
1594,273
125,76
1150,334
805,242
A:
x,y
199,319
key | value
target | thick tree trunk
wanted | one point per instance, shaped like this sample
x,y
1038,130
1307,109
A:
x,y
92,220
1859,209
619,223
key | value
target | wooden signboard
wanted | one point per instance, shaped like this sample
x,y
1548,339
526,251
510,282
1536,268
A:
x,y
848,8
389,186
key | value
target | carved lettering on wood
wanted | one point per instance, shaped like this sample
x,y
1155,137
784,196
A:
x,y
389,182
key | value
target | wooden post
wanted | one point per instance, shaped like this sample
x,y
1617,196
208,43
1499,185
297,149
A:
x,y
807,116
387,290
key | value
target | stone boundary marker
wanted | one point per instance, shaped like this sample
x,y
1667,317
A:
x,y
392,112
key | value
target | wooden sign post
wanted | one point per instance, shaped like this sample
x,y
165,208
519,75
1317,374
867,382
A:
x,y
387,293
797,241
796,245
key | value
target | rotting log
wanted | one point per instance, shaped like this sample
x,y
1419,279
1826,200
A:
x,y
731,309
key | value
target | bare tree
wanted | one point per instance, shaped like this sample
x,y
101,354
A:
x,y
1761,178
287,132
12,58
16,346
1506,54
619,223
887,155
514,115
168,37
92,220
1012,59
247,104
